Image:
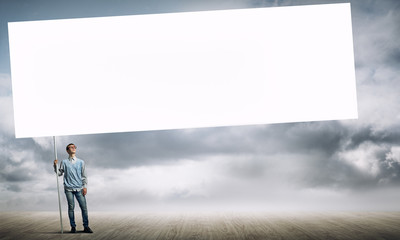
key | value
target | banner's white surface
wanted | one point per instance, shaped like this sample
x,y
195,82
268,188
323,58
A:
x,y
182,70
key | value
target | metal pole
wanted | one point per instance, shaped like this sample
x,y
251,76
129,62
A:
x,y
58,188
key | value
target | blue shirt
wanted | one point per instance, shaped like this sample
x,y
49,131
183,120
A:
x,y
74,174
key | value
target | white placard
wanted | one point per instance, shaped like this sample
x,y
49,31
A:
x,y
182,70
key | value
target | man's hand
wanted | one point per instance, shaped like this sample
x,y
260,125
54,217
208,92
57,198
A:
x,y
55,162
84,191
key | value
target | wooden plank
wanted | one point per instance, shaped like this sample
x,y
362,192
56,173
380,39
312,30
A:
x,y
215,226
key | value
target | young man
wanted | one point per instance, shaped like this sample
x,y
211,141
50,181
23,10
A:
x,y
75,182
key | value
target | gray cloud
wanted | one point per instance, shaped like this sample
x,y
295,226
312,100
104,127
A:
x,y
14,188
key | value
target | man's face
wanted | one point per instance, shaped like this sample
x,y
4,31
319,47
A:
x,y
71,149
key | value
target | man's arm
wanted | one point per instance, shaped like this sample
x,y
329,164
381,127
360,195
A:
x,y
84,179
60,170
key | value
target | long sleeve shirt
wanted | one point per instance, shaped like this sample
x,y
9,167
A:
x,y
74,173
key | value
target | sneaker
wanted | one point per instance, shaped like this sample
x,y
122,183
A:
x,y
87,230
73,230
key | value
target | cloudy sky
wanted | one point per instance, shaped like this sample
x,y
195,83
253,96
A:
x,y
330,165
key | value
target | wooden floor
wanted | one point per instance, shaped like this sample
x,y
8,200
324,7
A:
x,y
296,226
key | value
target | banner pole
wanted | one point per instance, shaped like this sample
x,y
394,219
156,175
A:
x,y
58,188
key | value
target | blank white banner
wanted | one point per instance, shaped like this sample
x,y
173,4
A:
x,y
182,70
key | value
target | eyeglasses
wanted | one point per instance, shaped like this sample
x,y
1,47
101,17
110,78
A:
x,y
72,147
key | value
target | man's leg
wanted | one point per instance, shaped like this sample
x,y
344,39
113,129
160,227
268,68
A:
x,y
82,204
71,206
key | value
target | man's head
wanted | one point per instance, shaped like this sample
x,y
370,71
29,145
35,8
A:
x,y
71,148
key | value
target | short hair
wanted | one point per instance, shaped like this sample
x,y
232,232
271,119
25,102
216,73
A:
x,y
66,148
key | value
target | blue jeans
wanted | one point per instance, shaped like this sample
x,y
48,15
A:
x,y
71,205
